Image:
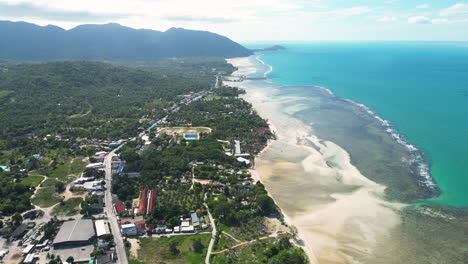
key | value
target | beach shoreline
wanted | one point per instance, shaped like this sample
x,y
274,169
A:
x,y
300,241
321,219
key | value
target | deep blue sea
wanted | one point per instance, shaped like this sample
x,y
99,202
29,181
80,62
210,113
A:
x,y
421,88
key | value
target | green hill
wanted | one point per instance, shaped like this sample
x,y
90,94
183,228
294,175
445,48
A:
x,y
29,42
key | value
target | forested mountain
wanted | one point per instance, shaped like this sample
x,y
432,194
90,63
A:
x,y
25,41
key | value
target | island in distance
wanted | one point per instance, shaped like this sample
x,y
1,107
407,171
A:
x,y
272,48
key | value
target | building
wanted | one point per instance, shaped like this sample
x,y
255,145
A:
x,y
143,201
187,229
105,259
98,206
20,231
30,259
151,196
237,149
119,208
98,165
28,249
115,144
244,160
102,228
195,221
129,230
75,233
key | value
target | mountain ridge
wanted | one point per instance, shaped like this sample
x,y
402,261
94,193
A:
x,y
29,42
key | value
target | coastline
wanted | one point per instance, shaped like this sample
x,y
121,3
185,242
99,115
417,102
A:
x,y
321,219
255,174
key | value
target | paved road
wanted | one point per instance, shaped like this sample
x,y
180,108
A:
x,y
112,218
213,235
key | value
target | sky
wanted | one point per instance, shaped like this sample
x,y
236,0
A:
x,y
261,20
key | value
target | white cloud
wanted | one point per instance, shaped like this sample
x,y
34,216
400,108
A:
x,y
335,14
387,19
419,20
457,9
423,6
209,11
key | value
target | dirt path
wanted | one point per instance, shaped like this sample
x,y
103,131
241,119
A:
x,y
135,246
240,245
233,238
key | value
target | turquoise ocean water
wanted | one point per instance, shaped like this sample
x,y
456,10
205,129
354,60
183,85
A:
x,y
420,87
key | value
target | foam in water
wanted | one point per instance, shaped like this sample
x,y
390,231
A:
x,y
417,158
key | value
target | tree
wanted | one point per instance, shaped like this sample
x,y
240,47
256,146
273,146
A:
x,y
59,187
86,209
265,204
198,246
107,238
17,219
70,259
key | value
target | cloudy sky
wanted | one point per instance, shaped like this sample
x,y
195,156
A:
x,y
253,20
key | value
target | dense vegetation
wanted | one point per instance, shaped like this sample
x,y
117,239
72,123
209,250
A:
x,y
14,195
83,99
24,41
272,252
63,110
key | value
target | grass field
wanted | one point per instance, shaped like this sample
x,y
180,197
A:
x,y
49,182
46,197
64,172
252,253
32,181
156,250
68,208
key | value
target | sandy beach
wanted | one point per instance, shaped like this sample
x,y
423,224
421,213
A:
x,y
340,214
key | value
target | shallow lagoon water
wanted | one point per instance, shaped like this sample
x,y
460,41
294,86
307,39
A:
x,y
421,87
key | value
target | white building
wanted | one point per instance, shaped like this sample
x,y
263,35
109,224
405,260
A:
x,y
237,149
28,249
246,161
187,229
102,228
98,165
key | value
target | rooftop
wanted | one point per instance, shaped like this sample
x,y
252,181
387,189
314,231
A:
x,y
75,231
101,228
